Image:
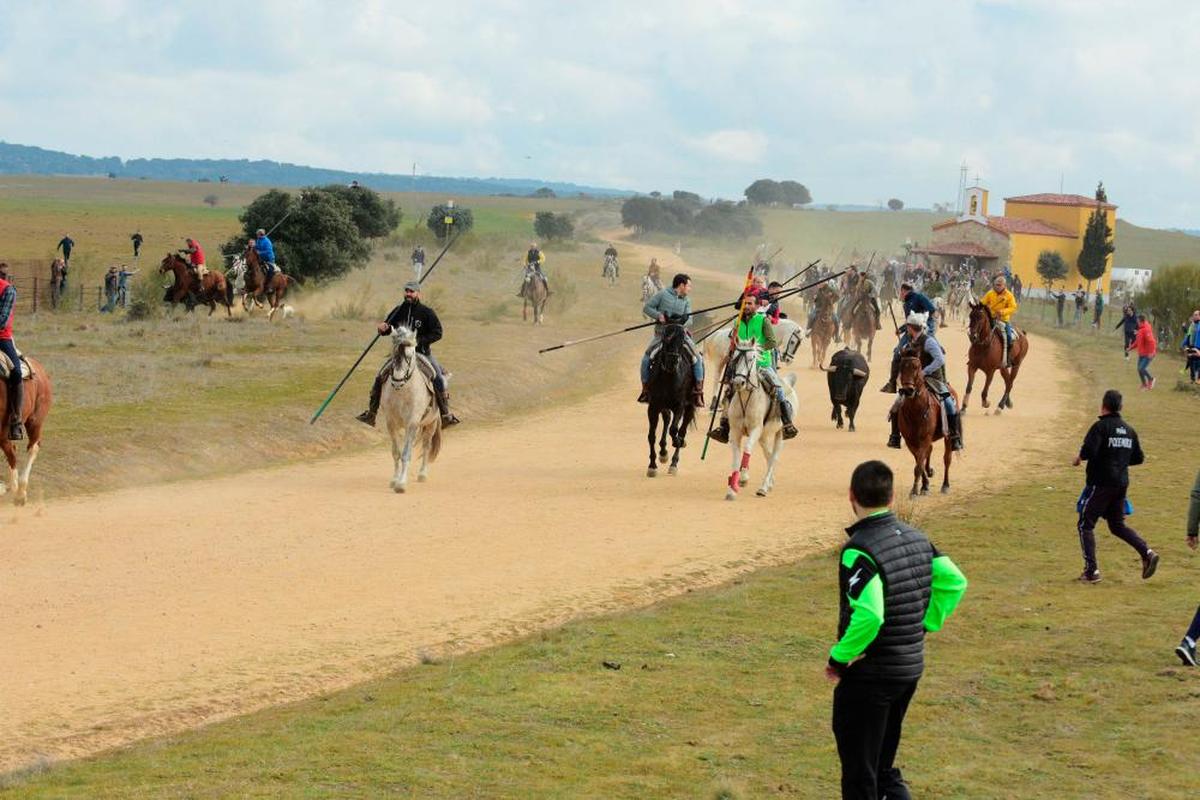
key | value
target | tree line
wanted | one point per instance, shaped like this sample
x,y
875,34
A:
x,y
686,213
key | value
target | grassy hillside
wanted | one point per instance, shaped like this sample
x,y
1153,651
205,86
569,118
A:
x,y
1038,688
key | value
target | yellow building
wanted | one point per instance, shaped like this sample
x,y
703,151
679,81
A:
x,y
1031,223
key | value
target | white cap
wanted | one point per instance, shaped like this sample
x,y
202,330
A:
x,y
917,319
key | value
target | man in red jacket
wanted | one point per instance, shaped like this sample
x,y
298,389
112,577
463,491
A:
x,y
1147,347
16,399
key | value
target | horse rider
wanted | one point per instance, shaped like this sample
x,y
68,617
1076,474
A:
x,y
755,326
914,303
867,293
533,266
672,306
654,271
933,366
195,256
16,389
611,253
774,288
266,255
421,320
1001,302
827,297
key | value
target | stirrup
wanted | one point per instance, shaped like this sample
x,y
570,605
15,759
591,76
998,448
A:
x,y
790,431
889,388
449,419
720,434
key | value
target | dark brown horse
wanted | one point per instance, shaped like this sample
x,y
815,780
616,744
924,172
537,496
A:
x,y
862,325
35,408
987,354
257,287
210,291
920,415
823,327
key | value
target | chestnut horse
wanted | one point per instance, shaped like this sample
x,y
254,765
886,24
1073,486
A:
x,y
212,288
920,414
35,408
257,287
821,336
987,354
861,325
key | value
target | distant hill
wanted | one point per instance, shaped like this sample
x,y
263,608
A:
x,y
17,159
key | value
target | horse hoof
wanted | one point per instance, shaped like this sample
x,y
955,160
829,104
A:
x,y
18,501
913,493
731,496
673,471
651,473
925,491
996,413
945,490
399,488
852,428
422,478
761,493
839,426
743,481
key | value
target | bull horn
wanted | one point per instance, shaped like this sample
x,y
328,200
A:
x,y
858,373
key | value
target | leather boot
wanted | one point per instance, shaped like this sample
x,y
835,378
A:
x,y
16,406
698,396
448,418
890,386
956,440
644,397
368,417
894,439
785,416
721,433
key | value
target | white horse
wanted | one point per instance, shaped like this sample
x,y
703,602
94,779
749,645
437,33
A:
x,y
649,287
788,333
410,409
749,421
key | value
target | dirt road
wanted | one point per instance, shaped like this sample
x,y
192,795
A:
x,y
141,612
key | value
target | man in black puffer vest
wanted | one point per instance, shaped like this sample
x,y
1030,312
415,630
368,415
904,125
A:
x,y
894,586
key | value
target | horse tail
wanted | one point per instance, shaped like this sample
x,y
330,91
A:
x,y
295,279
435,443
228,292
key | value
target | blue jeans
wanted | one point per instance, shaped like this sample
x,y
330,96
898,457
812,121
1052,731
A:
x,y
9,349
439,381
1143,367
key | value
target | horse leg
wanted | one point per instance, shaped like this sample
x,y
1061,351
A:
x,y
652,417
10,455
410,435
947,455
1009,380
33,430
990,375
735,447
918,470
747,451
970,383
926,453
524,309
771,454
676,442
426,444
667,417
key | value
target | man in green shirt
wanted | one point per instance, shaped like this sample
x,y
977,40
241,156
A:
x,y
894,586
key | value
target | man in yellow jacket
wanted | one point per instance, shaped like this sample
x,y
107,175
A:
x,y
1003,305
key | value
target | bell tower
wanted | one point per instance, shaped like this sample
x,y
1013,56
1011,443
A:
x,y
975,205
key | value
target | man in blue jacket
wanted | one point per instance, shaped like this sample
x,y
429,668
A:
x,y
914,303
266,253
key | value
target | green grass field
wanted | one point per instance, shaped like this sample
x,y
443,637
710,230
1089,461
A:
x,y
1038,688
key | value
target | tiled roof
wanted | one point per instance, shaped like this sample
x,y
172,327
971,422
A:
x,y
1011,225
1052,199
956,249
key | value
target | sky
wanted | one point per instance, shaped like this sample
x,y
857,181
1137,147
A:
x,y
860,101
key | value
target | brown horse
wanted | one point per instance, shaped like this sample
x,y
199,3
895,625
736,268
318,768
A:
x,y
58,271
38,396
823,326
257,287
987,354
920,415
862,325
212,289
533,295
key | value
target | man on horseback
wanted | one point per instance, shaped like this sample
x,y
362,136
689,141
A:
x,y
914,303
672,306
266,255
866,293
195,256
1001,302
421,320
827,298
533,269
610,254
654,273
16,389
754,326
933,367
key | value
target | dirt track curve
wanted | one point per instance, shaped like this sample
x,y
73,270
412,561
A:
x,y
148,611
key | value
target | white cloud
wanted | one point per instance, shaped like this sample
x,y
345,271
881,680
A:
x,y
740,146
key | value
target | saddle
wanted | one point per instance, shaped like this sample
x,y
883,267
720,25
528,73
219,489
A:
x,y
6,367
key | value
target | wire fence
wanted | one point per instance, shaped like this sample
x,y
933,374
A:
x,y
31,279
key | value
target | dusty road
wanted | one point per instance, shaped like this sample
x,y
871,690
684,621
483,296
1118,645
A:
x,y
141,612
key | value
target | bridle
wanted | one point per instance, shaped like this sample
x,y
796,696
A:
x,y
793,344
984,317
404,354
914,388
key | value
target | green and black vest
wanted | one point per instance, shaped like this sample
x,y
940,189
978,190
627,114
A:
x,y
904,558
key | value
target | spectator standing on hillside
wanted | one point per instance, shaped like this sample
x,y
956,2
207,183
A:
x,y
1147,347
1187,648
1080,303
123,277
137,243
1097,310
1129,322
1191,347
66,244
110,290
1060,301
1110,448
893,587
418,261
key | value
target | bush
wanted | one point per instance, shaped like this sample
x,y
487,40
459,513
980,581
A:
x,y
765,191
549,225
461,220
896,204
1173,294
1051,267
681,215
374,215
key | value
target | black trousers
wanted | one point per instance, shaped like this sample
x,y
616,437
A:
x,y
1107,503
867,719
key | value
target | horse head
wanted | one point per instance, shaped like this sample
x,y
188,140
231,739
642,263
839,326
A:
x,y
979,323
403,340
912,378
743,364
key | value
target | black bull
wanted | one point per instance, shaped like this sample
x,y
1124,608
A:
x,y
847,375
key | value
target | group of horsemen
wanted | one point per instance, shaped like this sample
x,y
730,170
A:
x,y
264,248
760,312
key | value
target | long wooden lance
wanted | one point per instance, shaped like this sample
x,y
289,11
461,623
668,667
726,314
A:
x,y
376,338
725,322
721,384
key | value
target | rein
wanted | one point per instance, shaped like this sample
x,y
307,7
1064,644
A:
x,y
409,363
